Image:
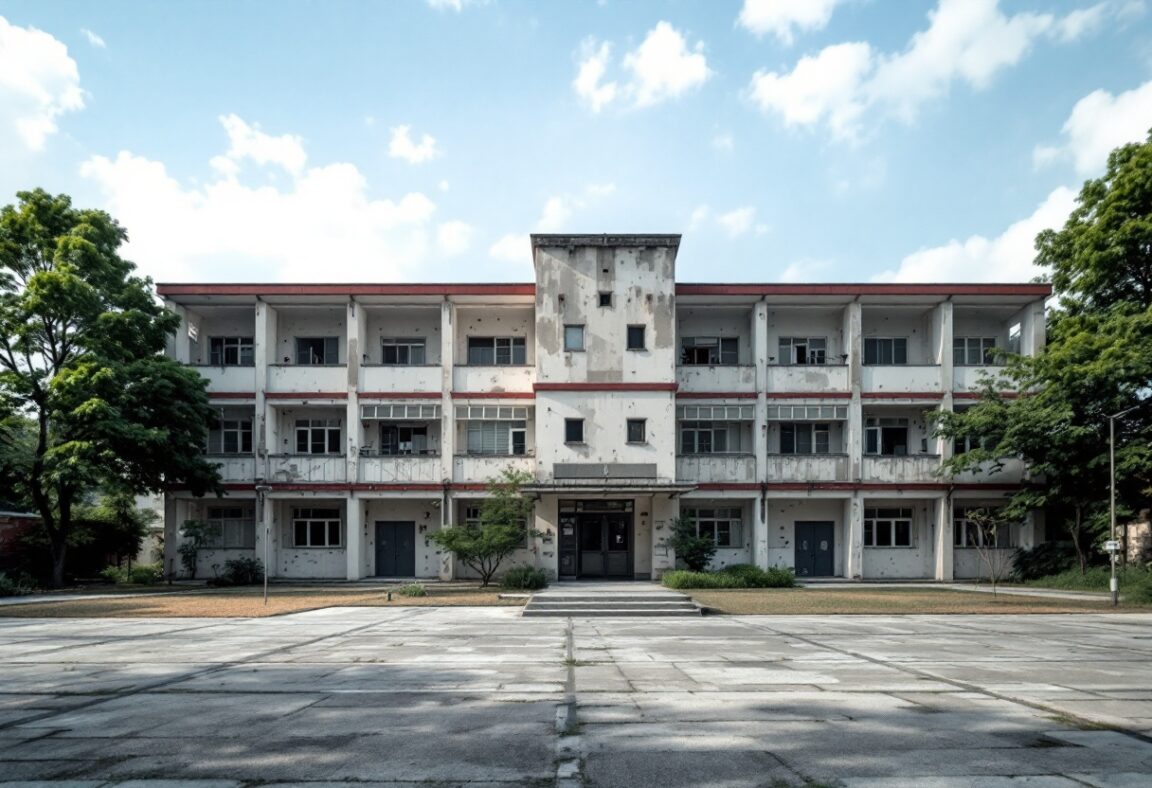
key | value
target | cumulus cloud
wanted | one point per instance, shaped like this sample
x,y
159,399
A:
x,y
661,68
39,82
734,223
322,225
737,222
402,146
1100,122
1006,258
93,39
554,217
966,41
512,248
724,142
783,17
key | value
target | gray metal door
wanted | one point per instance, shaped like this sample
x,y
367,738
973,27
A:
x,y
395,549
605,545
815,549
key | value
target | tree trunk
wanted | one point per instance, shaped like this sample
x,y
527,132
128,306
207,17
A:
x,y
59,556
1076,536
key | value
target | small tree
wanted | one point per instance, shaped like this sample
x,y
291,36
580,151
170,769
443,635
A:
x,y
197,534
694,550
501,531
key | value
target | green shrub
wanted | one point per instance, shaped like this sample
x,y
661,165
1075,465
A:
x,y
1047,558
1139,590
14,586
240,572
412,589
140,575
736,576
525,578
691,549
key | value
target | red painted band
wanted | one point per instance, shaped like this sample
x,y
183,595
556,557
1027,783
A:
x,y
605,386
715,395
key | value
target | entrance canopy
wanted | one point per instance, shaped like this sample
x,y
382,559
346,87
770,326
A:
x,y
607,487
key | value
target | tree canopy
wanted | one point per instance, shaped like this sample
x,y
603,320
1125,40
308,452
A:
x,y
82,369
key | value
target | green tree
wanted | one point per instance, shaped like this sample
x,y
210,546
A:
x,y
117,527
1098,362
504,525
81,343
694,550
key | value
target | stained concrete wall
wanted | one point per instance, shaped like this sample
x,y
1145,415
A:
x,y
914,323
702,321
402,322
903,562
424,514
605,416
306,562
727,556
806,322
215,322
784,513
293,322
493,321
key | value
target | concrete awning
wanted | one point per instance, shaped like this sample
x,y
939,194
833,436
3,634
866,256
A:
x,y
608,487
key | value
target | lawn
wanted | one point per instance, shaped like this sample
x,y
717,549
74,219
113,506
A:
x,y
887,601
249,603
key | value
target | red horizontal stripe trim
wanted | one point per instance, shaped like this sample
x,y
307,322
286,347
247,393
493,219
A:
x,y
901,395
493,395
978,394
715,395
231,395
846,289
400,395
850,486
281,289
809,395
306,395
605,386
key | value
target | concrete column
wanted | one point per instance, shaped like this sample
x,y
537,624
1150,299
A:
x,y
354,531
1032,525
447,560
354,433
179,341
267,530
264,349
759,533
760,359
854,522
854,432
943,325
944,540
664,511
448,415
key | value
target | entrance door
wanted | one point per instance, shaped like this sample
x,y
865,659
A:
x,y
605,544
814,549
395,549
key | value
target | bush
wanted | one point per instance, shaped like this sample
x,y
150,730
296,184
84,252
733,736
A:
x,y
691,549
412,589
1048,558
139,575
736,576
14,586
1139,590
240,572
525,578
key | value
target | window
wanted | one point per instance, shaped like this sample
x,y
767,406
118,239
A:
x,y
402,352
496,437
318,436
231,351
635,337
398,439
885,350
605,298
317,351
231,527
709,437
230,436
886,436
803,350
636,429
496,351
966,533
973,351
573,338
724,526
803,438
316,528
708,350
887,527
1015,331
573,430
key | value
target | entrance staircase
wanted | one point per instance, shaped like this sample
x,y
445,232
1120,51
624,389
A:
x,y
621,599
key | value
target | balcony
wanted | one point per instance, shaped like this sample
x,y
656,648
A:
x,y
969,378
807,468
391,378
493,379
232,467
401,468
808,378
228,378
716,377
480,468
1012,471
710,468
901,379
306,379
912,468
290,468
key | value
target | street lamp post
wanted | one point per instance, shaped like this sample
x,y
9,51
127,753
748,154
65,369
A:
x,y
261,490
1113,584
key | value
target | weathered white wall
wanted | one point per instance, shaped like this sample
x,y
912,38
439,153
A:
x,y
727,556
705,321
405,323
286,424
423,513
292,322
220,322
306,562
915,323
904,562
835,436
806,322
493,321
783,513
919,430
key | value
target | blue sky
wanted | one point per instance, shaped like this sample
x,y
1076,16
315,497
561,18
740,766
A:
x,y
422,140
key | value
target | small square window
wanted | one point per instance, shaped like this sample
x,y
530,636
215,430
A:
x,y
573,430
635,337
573,337
636,431
605,299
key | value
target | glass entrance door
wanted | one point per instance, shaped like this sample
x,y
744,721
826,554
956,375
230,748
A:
x,y
605,544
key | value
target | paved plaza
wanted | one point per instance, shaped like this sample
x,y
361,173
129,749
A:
x,y
479,696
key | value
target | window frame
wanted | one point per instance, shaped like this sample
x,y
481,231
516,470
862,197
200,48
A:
x,y
890,518
506,435
604,299
629,424
574,338
813,430
715,521
506,346
721,351
220,347
967,535
877,344
216,443
792,344
329,519
965,349
404,346
630,342
332,431
874,429
569,426
241,520
328,343
730,430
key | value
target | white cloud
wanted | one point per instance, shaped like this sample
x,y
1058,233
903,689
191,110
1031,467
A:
x,y
402,146
39,82
734,223
699,216
93,39
737,222
557,211
1100,122
554,217
806,270
662,67
512,248
1006,258
444,186
454,238
724,142
782,17
966,41
322,225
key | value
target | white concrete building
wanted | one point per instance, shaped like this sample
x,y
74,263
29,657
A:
x,y
790,421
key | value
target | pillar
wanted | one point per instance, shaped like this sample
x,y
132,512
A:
x,y
854,427
354,530
760,359
854,521
266,533
355,325
759,532
943,552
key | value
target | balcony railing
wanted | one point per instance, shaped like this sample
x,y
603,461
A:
x,y
390,377
901,379
232,467
911,468
479,468
716,377
287,468
400,468
493,379
716,468
305,378
807,467
229,378
808,378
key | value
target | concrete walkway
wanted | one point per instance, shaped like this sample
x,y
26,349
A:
x,y
841,584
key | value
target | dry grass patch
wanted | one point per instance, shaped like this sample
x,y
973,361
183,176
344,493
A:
x,y
886,601
249,603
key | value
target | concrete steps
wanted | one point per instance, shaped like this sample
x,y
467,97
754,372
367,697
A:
x,y
643,601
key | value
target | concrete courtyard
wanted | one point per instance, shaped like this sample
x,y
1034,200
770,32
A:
x,y
479,696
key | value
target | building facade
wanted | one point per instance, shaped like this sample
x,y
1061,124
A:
x,y
791,423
